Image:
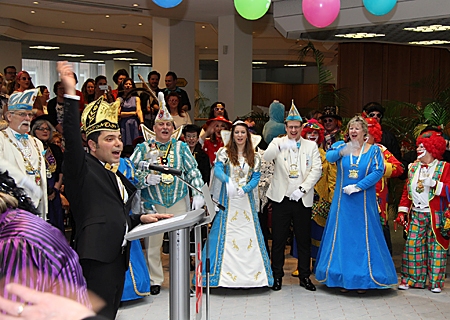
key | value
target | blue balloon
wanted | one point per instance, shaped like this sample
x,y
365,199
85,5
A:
x,y
167,3
379,7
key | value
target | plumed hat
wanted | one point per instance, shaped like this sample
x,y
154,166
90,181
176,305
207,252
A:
x,y
100,115
293,115
22,100
163,114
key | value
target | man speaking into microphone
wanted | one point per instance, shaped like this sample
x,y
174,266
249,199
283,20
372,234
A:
x,y
163,190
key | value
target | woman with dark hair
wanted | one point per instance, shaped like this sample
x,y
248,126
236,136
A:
x,y
180,117
88,90
118,77
424,200
214,142
43,130
217,110
55,107
236,245
130,112
23,81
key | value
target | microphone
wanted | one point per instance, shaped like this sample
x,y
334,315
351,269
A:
x,y
145,165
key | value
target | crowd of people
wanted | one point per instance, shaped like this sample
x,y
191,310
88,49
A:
x,y
325,186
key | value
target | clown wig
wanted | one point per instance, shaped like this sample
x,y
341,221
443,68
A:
x,y
433,142
374,129
312,125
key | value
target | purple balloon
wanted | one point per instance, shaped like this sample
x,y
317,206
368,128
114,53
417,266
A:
x,y
321,13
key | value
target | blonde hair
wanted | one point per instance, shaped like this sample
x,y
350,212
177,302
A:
x,y
7,201
361,121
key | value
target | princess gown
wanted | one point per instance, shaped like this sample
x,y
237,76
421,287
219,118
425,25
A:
x,y
353,253
237,251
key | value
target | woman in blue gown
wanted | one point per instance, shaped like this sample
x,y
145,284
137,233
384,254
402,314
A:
x,y
353,254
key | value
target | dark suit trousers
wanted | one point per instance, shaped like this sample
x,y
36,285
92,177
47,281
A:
x,y
282,215
107,281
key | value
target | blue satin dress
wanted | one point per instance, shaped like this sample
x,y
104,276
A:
x,y
353,253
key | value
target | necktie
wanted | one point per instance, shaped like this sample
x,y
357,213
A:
x,y
21,136
111,167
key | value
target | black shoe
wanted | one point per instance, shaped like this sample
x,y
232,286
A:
x,y
276,284
307,284
154,290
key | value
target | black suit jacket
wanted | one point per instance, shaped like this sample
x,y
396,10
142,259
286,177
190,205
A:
x,y
99,212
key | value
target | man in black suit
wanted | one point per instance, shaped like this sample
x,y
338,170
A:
x,y
100,199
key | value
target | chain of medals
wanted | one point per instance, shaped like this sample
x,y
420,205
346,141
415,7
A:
x,y
293,163
166,159
353,173
239,173
26,155
424,172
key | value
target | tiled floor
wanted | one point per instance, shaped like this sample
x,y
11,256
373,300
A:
x,y
294,302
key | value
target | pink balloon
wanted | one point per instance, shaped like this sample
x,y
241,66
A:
x,y
321,13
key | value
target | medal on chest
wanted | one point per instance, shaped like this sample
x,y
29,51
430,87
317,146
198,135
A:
x,y
166,159
353,172
293,171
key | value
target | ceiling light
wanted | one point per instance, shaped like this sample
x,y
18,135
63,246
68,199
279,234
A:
x,y
432,28
107,16
71,55
429,42
203,27
295,65
44,47
63,22
33,12
135,5
206,47
359,35
115,51
140,64
92,29
140,24
35,2
259,62
125,59
92,61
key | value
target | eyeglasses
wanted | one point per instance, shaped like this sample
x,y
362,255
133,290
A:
x,y
25,78
11,72
173,101
328,120
294,127
24,114
43,129
377,115
219,109
193,137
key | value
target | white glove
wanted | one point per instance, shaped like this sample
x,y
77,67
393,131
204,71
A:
x,y
351,188
240,192
231,189
152,179
288,144
31,187
429,182
197,202
296,195
143,165
349,148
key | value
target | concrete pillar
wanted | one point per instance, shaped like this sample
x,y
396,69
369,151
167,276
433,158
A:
x,y
235,64
11,55
174,50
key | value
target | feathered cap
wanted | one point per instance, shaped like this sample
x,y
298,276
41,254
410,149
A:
x,y
100,115
293,115
22,100
163,114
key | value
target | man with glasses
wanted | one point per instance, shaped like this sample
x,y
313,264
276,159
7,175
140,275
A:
x,y
332,123
10,73
298,167
388,139
20,153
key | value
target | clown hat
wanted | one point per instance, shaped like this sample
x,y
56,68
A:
x,y
293,115
163,114
22,100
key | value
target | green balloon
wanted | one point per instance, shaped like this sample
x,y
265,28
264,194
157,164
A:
x,y
252,9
